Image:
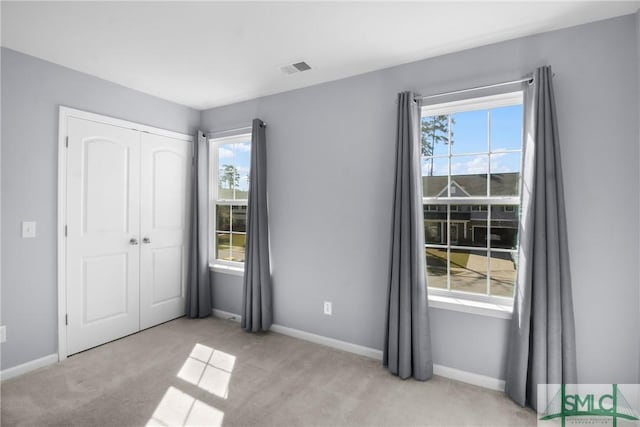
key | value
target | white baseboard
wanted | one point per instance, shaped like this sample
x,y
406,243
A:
x,y
226,315
440,370
469,377
329,342
28,366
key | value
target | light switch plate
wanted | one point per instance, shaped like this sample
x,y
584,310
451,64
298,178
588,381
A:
x,y
28,229
3,334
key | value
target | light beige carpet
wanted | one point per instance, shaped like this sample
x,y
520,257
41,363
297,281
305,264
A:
x,y
210,372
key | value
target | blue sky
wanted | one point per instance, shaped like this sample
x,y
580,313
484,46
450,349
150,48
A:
x,y
470,136
238,155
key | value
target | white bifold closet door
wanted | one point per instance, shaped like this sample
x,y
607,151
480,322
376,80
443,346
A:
x,y
127,229
164,226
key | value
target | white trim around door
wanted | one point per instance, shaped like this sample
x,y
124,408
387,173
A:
x,y
64,114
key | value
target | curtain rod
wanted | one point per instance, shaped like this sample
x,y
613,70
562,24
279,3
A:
x,y
454,92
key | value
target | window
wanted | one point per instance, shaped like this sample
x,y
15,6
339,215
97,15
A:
x,y
471,163
229,175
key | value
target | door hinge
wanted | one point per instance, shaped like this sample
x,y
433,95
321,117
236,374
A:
x,y
66,231
66,143
66,319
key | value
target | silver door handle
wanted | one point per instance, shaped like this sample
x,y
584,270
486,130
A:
x,y
146,240
133,241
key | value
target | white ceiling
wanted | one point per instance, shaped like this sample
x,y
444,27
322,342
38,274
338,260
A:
x,y
205,54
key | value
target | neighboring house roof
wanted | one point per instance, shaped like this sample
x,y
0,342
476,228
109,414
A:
x,y
456,190
502,184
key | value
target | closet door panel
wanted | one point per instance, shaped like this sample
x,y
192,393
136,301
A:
x,y
164,196
102,229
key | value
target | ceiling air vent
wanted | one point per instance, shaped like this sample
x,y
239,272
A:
x,y
295,68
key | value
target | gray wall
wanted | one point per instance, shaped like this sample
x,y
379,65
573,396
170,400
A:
x,y
0,185
638,53
331,159
330,151
32,90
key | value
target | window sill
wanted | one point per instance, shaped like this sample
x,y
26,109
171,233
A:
x,y
469,306
227,269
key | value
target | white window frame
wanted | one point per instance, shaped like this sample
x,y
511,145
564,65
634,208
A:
x,y
471,104
215,141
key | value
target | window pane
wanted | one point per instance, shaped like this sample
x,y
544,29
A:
x,y
434,176
506,128
225,171
457,224
237,246
223,217
469,132
242,161
504,226
468,271
239,218
234,160
474,155
435,136
224,192
468,225
433,231
469,176
435,224
505,174
436,268
503,273
223,245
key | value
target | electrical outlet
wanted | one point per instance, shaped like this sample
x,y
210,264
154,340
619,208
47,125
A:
x,y
327,308
3,334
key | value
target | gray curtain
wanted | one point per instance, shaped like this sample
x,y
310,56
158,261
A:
x,y
407,348
257,313
541,346
198,286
